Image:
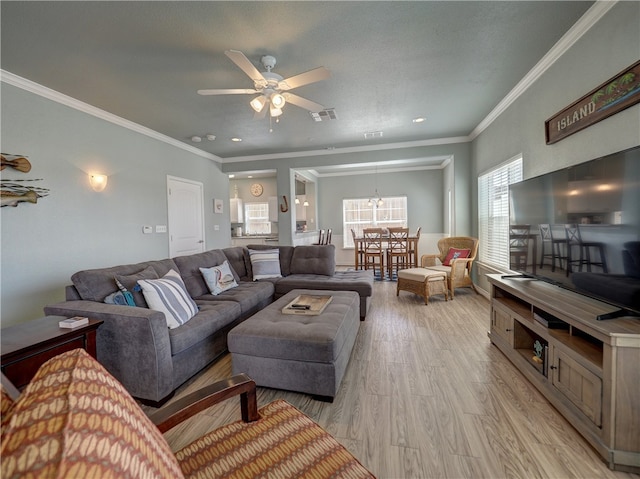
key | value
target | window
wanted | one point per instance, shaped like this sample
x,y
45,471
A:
x,y
493,212
256,219
358,214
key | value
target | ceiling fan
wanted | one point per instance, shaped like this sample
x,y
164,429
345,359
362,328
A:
x,y
272,89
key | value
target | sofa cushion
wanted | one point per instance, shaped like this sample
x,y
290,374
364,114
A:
x,y
265,263
190,270
75,420
238,258
286,253
358,281
212,317
219,278
131,283
314,259
97,284
169,295
251,296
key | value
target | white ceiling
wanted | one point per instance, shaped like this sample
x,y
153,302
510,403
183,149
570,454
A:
x,y
450,62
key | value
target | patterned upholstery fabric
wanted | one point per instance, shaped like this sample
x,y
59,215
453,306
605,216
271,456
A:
x,y
284,443
6,406
74,420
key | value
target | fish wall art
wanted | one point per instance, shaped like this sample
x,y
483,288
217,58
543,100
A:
x,y
14,192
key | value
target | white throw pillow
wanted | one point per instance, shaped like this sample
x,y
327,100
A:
x,y
265,263
219,278
169,295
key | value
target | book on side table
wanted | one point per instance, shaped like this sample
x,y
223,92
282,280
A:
x,y
74,322
307,304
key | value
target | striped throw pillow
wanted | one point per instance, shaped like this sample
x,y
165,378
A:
x,y
265,263
169,295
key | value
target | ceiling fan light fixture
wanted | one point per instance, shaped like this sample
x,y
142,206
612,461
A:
x,y
277,100
258,103
275,112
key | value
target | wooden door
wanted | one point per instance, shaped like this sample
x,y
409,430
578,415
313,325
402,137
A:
x,y
185,216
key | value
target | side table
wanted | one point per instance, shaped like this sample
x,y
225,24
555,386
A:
x,y
26,346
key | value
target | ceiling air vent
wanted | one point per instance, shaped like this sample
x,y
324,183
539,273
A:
x,y
372,134
324,115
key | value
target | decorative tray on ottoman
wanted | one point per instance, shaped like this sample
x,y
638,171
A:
x,y
307,304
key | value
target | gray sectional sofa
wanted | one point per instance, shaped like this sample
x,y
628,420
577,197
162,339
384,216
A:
x,y
151,360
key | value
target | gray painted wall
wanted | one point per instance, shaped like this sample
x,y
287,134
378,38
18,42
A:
x,y
423,208
74,227
423,190
609,47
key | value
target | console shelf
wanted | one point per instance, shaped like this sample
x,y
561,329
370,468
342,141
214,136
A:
x,y
587,369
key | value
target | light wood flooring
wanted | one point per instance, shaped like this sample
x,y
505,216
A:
x,y
426,395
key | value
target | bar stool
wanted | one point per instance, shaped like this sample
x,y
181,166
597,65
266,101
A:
x,y
574,238
519,246
554,244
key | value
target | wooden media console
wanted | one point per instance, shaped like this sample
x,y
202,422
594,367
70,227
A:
x,y
589,370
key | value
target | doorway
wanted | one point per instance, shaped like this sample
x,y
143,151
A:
x,y
185,199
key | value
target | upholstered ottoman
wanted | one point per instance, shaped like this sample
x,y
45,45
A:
x,y
301,353
423,282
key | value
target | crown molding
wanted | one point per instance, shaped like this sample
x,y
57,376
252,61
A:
x,y
352,149
590,18
32,87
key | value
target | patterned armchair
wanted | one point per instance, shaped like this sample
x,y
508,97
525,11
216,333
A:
x,y
457,254
75,420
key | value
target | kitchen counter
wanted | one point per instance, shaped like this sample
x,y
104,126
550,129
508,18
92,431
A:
x,y
253,239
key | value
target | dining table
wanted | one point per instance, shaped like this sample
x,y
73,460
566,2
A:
x,y
359,248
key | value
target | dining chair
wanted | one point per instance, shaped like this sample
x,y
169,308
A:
x,y
373,250
413,248
358,249
398,256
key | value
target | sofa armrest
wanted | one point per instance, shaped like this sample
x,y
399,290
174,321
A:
x,y
132,344
179,411
428,260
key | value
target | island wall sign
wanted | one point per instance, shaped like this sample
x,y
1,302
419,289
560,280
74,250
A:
x,y
614,95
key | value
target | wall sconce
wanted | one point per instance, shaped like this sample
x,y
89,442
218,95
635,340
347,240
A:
x,y
297,201
98,182
306,203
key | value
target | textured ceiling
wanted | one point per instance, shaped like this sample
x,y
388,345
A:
x,y
450,62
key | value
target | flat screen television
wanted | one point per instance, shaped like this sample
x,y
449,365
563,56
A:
x,y
579,228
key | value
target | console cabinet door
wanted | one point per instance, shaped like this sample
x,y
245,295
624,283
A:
x,y
502,323
582,387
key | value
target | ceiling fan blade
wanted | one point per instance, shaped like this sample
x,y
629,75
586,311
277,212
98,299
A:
x,y
312,76
302,102
228,91
246,66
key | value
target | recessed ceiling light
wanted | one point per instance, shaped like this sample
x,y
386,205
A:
x,y
196,139
420,119
211,137
236,139
250,176
232,176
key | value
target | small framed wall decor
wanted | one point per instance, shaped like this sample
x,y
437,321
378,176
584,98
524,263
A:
x,y
218,206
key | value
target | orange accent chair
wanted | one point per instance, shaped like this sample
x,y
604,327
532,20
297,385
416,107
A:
x,y
75,420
